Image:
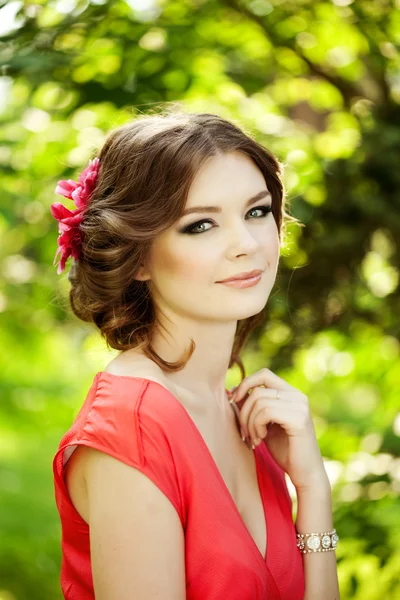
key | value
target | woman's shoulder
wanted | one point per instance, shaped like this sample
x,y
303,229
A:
x,y
136,379
133,362
135,369
129,418
121,405
155,392
126,413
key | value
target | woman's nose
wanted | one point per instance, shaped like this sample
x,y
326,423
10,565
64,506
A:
x,y
244,239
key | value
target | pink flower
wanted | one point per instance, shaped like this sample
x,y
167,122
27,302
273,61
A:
x,y
69,243
70,238
79,191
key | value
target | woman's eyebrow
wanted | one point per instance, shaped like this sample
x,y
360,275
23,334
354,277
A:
x,y
217,209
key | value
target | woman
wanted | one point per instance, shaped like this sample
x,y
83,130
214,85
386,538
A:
x,y
165,488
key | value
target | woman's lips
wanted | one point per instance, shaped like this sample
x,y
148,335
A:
x,y
242,283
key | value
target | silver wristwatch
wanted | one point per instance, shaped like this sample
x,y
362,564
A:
x,y
317,542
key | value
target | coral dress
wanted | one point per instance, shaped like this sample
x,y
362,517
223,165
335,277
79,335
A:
x,y
141,423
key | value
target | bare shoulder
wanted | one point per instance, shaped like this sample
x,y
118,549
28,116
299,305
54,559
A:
x,y
134,364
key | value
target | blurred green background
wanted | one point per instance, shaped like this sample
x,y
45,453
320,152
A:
x,y
316,82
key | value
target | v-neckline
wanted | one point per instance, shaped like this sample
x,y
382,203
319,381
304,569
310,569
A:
x,y
216,469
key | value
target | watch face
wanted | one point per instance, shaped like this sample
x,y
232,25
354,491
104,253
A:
x,y
313,542
326,541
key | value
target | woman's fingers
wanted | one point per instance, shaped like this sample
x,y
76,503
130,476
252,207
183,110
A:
x,y
253,411
254,391
256,394
263,377
273,411
292,417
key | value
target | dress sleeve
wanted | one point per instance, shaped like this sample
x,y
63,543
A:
x,y
122,423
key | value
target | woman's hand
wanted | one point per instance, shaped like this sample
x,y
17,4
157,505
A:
x,y
285,425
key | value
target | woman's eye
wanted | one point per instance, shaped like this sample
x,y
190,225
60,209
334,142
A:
x,y
192,228
265,210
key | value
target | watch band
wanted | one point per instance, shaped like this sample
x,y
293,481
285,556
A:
x,y
317,542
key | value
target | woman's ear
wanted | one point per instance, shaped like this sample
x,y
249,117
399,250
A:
x,y
142,274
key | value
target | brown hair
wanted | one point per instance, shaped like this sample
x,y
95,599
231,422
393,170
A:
x,y
146,170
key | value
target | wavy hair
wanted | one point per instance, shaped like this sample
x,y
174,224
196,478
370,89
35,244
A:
x,y
146,170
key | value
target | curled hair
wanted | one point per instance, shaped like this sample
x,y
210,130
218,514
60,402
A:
x,y
146,170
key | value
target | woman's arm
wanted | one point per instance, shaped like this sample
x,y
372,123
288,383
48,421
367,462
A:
x,y
314,515
279,414
137,543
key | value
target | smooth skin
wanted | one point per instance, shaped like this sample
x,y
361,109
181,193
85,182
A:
x,y
284,424
137,542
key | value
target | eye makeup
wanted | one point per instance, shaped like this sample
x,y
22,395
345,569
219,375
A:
x,y
190,229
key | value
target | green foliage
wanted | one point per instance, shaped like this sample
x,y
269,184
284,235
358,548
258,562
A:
x,y
314,81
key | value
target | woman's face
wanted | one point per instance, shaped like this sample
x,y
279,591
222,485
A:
x,y
184,268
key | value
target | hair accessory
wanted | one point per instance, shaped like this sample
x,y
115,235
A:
x,y
70,238
317,542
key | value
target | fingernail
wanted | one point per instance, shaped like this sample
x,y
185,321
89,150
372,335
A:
x,y
253,446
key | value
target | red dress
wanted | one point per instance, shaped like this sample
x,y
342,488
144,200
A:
x,y
141,423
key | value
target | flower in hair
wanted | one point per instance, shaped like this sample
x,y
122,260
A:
x,y
70,239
